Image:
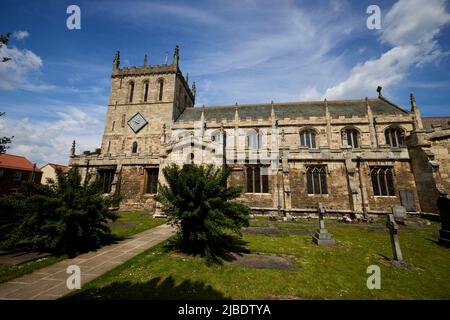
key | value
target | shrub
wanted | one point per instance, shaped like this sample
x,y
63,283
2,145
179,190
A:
x,y
64,216
197,200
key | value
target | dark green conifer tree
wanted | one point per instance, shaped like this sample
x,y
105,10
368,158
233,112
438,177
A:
x,y
197,200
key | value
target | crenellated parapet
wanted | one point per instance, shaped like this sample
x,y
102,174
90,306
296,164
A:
x,y
152,70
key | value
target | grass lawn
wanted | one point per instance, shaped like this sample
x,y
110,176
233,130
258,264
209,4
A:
x,y
8,272
322,273
129,223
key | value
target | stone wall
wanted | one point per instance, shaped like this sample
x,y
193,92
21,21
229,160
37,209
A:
x,y
253,200
338,197
132,189
430,160
403,180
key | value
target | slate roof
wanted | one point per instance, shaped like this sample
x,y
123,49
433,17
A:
x,y
346,108
429,122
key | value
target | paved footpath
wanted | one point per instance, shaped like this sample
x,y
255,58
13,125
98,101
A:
x,y
49,283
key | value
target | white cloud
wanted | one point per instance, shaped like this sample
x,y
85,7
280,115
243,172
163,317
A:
x,y
310,93
414,22
411,27
251,51
140,12
390,68
45,141
20,71
20,35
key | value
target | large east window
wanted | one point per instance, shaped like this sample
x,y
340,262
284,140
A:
x,y
316,179
382,181
257,182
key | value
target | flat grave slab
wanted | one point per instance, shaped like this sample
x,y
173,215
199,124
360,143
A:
x,y
262,230
123,224
261,261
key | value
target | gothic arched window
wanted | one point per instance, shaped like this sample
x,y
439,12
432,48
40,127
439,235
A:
x,y
216,136
134,147
145,91
161,88
350,137
395,137
316,180
257,181
131,92
254,139
382,181
190,158
308,138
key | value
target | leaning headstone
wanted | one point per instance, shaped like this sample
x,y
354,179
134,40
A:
x,y
321,237
396,251
443,204
399,213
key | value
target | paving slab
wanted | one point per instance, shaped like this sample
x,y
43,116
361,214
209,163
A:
x,y
28,291
49,283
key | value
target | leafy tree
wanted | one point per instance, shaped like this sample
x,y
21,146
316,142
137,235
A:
x,y
4,141
4,39
197,200
64,216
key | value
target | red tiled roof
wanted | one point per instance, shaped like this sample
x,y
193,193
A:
x,y
10,161
58,167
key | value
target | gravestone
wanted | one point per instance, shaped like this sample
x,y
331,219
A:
x,y
321,237
399,213
396,251
443,205
261,261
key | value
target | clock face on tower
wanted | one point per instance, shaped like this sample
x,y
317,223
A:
x,y
137,122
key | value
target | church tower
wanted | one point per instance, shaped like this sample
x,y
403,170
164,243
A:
x,y
144,101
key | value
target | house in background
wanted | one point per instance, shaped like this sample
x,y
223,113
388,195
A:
x,y
14,170
50,171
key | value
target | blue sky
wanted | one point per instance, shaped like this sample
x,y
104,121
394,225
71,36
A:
x,y
56,87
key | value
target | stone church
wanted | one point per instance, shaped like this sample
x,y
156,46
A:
x,y
355,156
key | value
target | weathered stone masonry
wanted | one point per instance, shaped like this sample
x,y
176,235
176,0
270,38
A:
x,y
355,156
